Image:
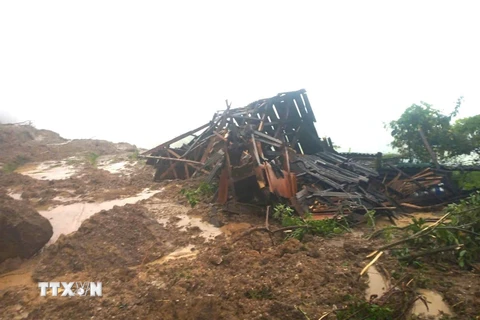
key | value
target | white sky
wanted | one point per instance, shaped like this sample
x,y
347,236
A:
x,y
146,71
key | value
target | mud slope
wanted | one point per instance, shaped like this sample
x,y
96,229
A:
x,y
24,143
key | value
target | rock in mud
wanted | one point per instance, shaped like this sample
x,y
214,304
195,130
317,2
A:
x,y
216,260
23,231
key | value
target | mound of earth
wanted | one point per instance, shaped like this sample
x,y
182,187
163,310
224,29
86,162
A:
x,y
89,184
245,279
22,230
24,143
118,238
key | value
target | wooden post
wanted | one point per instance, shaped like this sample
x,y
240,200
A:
x,y
229,171
429,148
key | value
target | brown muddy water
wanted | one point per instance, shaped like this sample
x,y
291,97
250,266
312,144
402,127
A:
x,y
207,230
66,219
121,167
16,196
436,305
49,170
378,285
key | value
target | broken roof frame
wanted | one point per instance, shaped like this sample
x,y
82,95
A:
x,y
286,120
268,145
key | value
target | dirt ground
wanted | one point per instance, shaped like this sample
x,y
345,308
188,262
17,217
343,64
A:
x,y
159,258
250,278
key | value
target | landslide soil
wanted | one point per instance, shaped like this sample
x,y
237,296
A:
x,y
29,144
245,279
229,277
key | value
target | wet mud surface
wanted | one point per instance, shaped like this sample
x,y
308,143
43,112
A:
x,y
158,258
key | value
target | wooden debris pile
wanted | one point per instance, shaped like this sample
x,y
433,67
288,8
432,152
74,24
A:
x,y
270,148
427,188
332,183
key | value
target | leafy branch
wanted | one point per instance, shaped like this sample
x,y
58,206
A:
x,y
455,236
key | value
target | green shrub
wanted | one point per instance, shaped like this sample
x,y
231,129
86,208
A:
x,y
202,191
134,155
467,180
13,165
366,311
264,293
325,227
92,158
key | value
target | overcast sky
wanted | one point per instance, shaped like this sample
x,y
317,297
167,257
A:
x,y
146,71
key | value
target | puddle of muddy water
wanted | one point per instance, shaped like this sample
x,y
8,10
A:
x,y
49,170
68,218
208,231
16,196
377,284
171,214
117,167
436,305
65,199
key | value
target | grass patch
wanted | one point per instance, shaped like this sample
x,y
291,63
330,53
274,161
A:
x,y
92,158
365,310
73,162
13,165
264,293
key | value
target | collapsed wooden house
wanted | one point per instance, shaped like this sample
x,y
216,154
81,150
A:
x,y
270,148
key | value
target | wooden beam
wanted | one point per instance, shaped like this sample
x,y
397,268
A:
x,y
208,149
166,172
229,172
255,150
174,169
219,135
173,159
260,126
186,164
180,137
267,137
225,114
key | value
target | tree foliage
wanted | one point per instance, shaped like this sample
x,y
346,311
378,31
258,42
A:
x,y
446,139
466,133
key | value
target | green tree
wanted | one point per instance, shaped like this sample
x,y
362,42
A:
x,y
446,139
405,131
466,133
